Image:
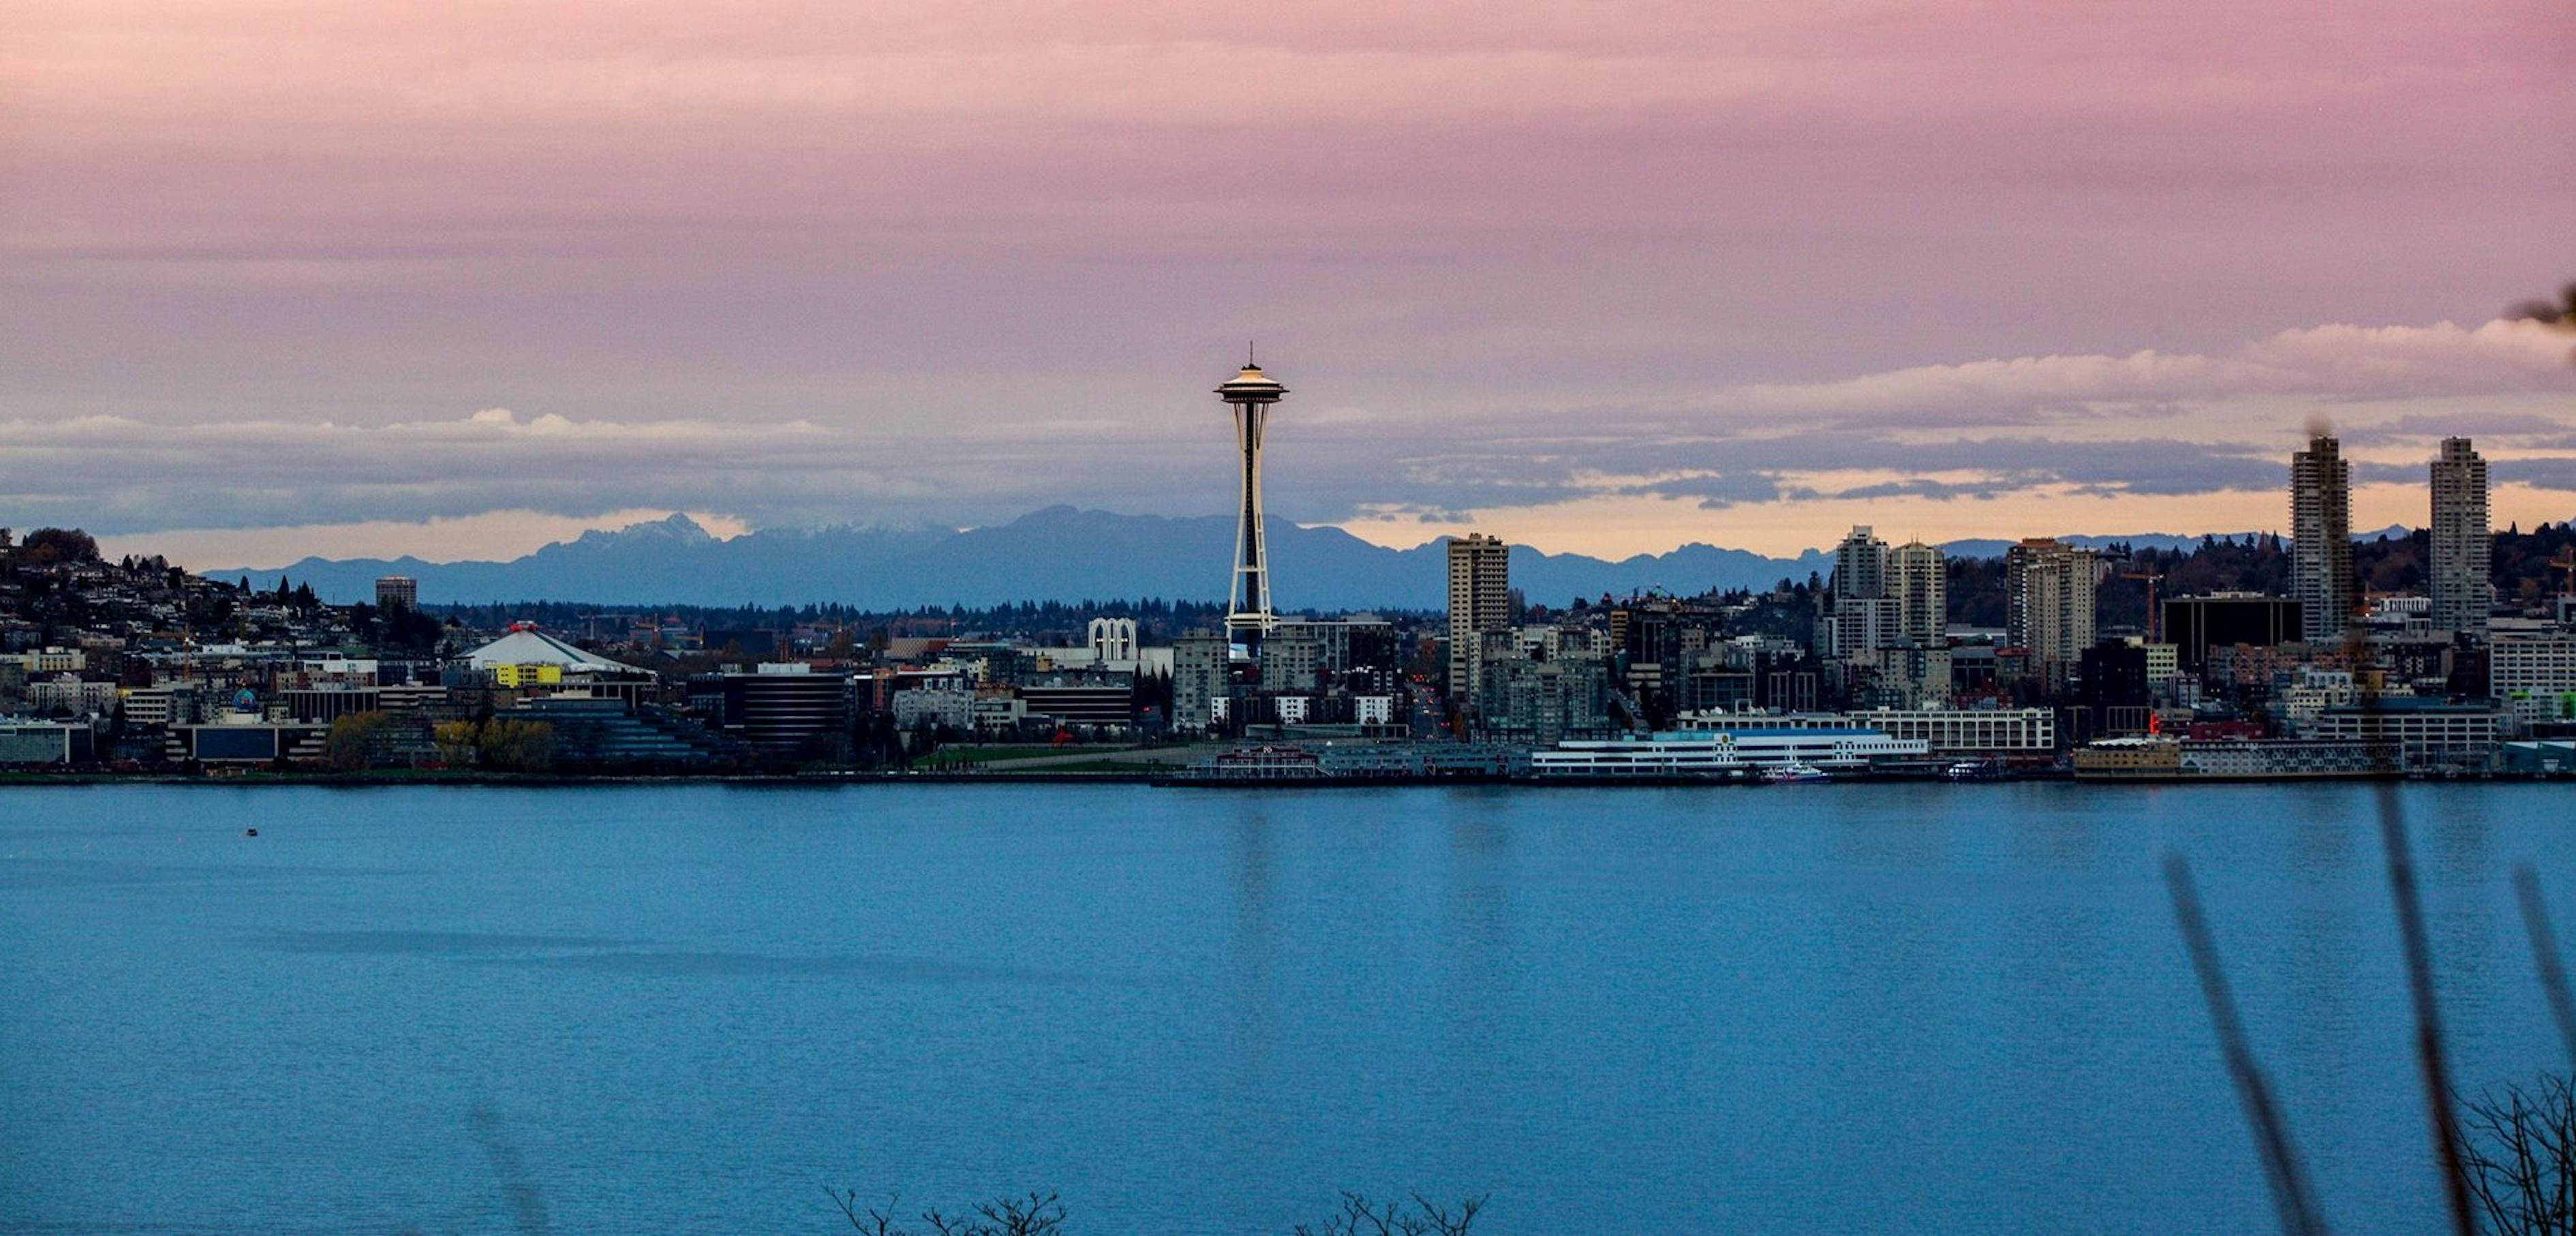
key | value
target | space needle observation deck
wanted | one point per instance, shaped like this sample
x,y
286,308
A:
x,y
1247,609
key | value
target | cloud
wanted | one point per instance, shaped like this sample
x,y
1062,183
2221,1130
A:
x,y
2326,363
1990,430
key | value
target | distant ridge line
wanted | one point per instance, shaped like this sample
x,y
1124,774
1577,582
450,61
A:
x,y
1061,553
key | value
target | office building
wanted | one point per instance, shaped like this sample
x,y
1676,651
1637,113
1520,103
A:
x,y
397,591
1098,698
2463,552
2321,539
2194,625
1480,602
784,710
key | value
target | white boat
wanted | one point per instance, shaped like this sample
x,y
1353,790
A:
x,y
1795,773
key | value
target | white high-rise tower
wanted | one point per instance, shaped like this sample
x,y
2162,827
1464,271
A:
x,y
1247,606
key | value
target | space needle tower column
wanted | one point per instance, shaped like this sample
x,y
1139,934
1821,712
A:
x,y
1247,607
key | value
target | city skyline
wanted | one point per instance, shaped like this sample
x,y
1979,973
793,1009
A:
x,y
1611,285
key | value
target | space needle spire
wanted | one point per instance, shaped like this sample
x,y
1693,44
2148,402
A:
x,y
1247,606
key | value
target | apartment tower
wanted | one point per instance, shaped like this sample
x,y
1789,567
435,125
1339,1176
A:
x,y
1919,581
2463,552
2049,603
2321,539
1480,601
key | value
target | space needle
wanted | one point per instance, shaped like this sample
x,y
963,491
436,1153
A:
x,y
1247,606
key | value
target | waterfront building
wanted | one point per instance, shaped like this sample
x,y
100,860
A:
x,y
1946,731
397,591
2420,731
2462,550
2555,758
1248,615
784,710
604,735
2533,673
1720,752
2321,539
1480,602
2049,588
27,742
2168,759
1097,699
246,741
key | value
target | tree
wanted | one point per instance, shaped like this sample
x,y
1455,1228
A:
x,y
458,742
345,750
516,746
1039,1214
2518,1150
1361,1217
46,546
1034,1215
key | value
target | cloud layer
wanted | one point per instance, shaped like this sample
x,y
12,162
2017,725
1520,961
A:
x,y
2024,430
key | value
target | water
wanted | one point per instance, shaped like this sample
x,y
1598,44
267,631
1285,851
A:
x,y
1857,1008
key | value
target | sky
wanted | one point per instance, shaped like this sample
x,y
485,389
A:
x,y
287,277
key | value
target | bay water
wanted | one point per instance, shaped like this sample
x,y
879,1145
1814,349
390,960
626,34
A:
x,y
1889,1007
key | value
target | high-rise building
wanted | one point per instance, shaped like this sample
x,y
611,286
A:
x,y
2463,552
1860,566
2321,539
1480,601
1864,616
1247,608
1919,580
403,590
2049,604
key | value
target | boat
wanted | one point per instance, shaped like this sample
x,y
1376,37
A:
x,y
1795,772
1972,770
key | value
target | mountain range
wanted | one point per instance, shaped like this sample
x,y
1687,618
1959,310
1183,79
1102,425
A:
x,y
1060,554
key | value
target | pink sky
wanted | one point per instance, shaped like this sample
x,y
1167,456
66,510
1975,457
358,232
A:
x,y
1603,277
